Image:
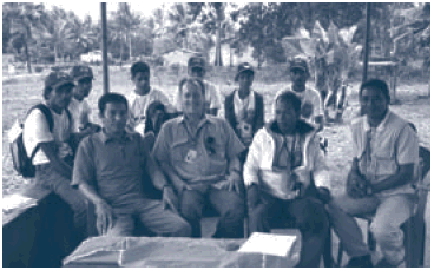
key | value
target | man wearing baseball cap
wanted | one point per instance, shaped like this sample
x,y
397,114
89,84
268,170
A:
x,y
312,107
196,69
243,108
47,130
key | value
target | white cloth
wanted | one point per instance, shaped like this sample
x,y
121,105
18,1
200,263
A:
x,y
36,130
260,158
244,105
80,111
212,97
138,106
308,97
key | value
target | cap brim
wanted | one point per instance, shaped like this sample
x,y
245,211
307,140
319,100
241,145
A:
x,y
298,67
83,77
192,66
63,84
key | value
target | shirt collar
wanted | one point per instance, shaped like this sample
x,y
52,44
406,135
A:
x,y
380,127
202,122
106,138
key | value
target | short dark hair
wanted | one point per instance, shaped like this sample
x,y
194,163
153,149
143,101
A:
x,y
111,98
378,84
289,97
138,67
191,81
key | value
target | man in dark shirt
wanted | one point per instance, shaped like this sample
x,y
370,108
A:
x,y
109,169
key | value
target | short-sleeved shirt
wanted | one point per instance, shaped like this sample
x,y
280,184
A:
x,y
212,98
201,155
309,97
381,149
114,167
37,130
80,111
138,106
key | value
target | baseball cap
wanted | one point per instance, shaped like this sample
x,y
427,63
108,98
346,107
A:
x,y
196,62
299,63
244,67
58,78
81,71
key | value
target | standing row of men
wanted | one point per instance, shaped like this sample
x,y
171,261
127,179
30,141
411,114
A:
x,y
201,159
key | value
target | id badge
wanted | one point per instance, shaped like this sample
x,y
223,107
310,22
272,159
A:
x,y
191,156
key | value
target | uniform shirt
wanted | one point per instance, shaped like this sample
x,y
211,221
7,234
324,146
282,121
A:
x,y
212,98
37,130
114,167
268,162
138,106
80,111
309,97
381,149
200,156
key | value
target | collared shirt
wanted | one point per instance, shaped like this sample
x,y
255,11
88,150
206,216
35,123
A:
x,y
36,131
138,105
244,107
381,149
113,166
201,155
309,97
212,98
80,111
266,166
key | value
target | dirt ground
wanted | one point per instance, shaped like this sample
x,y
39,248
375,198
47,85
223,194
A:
x,y
20,94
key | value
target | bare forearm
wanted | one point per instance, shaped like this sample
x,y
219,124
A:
x,y
157,176
400,178
57,164
90,193
234,164
173,176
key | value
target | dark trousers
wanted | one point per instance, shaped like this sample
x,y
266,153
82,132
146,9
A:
x,y
306,214
228,204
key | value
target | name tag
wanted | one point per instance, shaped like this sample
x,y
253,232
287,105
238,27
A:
x,y
191,156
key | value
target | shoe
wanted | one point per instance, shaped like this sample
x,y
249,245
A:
x,y
360,262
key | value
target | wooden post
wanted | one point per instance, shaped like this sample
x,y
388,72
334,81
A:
x,y
366,46
104,44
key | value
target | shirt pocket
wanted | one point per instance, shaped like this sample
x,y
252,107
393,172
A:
x,y
216,160
385,162
179,150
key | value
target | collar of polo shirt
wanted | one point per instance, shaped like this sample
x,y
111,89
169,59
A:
x,y
106,137
380,127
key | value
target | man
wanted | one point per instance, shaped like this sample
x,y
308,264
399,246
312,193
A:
x,y
277,174
196,69
244,107
109,169
193,151
47,137
79,108
312,106
142,96
380,179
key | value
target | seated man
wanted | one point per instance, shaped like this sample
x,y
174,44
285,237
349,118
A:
x,y
380,179
278,174
193,150
109,169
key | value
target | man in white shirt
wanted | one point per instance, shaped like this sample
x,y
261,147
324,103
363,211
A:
x,y
79,108
142,96
47,138
196,69
312,107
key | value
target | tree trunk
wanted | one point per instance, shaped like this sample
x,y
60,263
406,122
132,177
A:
x,y
218,56
29,64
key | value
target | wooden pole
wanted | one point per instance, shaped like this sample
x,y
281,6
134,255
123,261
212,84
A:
x,y
104,44
366,45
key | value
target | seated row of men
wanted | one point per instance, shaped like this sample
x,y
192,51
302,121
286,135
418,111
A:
x,y
200,160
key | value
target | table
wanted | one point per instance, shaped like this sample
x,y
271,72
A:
x,y
105,251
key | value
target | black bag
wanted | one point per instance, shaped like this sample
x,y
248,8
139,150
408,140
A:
x,y
23,164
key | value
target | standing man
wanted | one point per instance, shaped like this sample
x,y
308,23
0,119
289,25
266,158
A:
x,y
142,96
312,106
380,180
197,70
194,151
79,108
109,170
